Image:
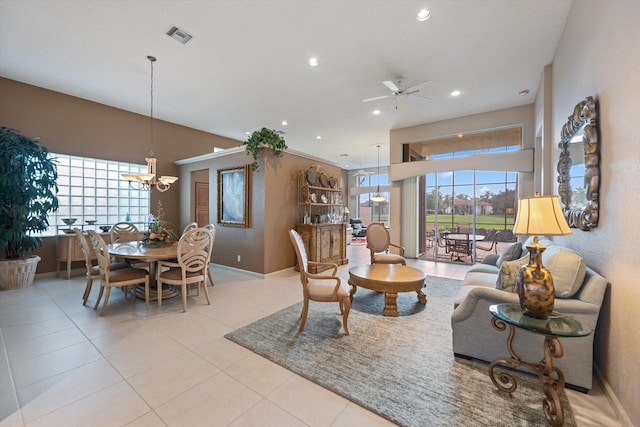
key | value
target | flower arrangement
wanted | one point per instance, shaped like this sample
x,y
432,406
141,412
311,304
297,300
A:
x,y
159,232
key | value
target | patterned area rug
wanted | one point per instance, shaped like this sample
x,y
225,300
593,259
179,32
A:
x,y
401,368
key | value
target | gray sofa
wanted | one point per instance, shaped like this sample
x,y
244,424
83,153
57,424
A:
x,y
579,293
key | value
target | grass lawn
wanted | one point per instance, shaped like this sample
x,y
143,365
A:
x,y
482,221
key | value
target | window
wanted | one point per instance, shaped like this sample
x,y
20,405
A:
x,y
92,189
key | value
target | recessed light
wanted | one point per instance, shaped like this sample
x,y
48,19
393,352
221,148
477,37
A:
x,y
524,92
460,135
284,123
423,15
313,61
247,133
318,137
376,112
455,93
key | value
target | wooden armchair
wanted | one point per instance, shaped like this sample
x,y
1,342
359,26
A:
x,y
378,243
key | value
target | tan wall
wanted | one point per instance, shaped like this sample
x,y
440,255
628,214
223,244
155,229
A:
x,y
599,56
74,126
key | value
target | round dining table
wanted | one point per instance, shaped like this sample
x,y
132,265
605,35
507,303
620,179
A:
x,y
151,255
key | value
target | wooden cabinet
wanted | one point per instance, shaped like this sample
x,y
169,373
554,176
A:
x,y
68,250
324,243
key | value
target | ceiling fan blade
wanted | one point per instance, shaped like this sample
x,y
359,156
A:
x,y
375,98
420,99
418,86
391,85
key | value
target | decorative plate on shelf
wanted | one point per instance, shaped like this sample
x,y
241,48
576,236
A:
x,y
333,182
324,181
313,198
311,175
323,198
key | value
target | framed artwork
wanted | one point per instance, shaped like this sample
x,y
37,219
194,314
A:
x,y
233,196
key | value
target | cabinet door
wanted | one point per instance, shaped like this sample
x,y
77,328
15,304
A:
x,y
325,244
336,243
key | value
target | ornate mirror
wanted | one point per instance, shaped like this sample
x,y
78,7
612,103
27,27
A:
x,y
579,167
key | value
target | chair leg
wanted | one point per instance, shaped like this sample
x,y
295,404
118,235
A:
x,y
345,305
106,300
303,317
206,292
159,291
87,291
146,291
95,307
184,297
209,275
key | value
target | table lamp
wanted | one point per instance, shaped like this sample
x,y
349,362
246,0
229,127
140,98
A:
x,y
538,215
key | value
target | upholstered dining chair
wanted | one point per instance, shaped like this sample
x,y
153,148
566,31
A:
x,y
194,253
378,243
121,278
93,271
320,287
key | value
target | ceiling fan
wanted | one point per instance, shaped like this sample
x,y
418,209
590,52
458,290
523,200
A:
x,y
397,90
362,172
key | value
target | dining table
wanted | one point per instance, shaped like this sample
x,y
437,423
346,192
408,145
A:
x,y
460,243
139,251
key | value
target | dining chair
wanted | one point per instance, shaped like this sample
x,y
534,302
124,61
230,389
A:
x,y
212,230
194,253
124,232
121,278
190,226
93,271
378,243
317,287
492,237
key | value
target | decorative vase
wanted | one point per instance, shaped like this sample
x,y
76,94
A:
x,y
18,273
535,286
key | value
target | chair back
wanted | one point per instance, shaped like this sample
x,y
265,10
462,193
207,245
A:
x,y
212,230
378,238
84,247
194,250
124,232
102,254
301,254
190,226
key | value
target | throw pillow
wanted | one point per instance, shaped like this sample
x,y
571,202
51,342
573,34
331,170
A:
x,y
567,267
508,274
510,253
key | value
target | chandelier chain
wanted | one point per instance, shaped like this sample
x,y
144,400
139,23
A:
x,y
152,60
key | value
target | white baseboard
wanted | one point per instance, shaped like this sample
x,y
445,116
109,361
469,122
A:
x,y
621,414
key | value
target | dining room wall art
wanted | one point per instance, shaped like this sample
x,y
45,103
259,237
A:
x,y
234,195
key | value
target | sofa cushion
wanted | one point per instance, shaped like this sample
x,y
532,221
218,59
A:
x,y
567,267
508,274
510,253
483,268
488,280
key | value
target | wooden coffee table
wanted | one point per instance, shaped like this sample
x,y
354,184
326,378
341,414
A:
x,y
390,279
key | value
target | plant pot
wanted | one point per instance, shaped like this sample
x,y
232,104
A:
x,y
18,273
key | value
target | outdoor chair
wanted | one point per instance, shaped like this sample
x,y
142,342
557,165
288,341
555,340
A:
x,y
320,287
378,243
491,237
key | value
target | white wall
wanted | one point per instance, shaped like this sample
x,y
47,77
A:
x,y
599,55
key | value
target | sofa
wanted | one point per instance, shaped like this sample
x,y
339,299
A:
x,y
579,292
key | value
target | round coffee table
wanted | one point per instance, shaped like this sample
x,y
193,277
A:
x,y
390,279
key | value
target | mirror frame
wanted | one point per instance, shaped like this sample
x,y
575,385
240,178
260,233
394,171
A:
x,y
584,119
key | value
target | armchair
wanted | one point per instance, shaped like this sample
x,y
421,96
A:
x,y
378,243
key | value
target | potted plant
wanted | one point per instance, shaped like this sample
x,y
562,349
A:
x,y
264,138
27,194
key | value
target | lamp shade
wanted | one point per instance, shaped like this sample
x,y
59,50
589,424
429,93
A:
x,y
541,215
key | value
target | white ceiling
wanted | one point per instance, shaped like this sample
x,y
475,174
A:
x,y
247,64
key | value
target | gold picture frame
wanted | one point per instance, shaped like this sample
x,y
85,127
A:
x,y
233,196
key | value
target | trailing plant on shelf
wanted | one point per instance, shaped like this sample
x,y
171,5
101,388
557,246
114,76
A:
x,y
264,138
28,191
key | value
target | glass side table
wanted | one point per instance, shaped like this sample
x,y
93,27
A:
x,y
557,325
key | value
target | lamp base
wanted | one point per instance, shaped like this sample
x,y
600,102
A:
x,y
535,285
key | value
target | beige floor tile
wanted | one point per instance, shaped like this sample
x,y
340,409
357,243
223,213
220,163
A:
x,y
34,347
145,354
215,402
30,371
150,419
9,409
167,380
258,373
61,390
355,415
17,333
222,352
314,405
191,329
116,405
266,414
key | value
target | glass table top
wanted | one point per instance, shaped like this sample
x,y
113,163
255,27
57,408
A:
x,y
557,324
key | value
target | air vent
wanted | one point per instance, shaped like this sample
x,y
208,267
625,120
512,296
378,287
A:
x,y
181,35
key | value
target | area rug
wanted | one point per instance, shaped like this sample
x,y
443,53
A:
x,y
401,368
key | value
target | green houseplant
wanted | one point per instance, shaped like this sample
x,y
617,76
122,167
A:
x,y
264,138
27,195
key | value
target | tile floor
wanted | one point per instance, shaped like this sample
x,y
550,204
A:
x,y
61,364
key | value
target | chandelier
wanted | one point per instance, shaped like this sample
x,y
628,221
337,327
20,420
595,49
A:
x,y
148,181
378,197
